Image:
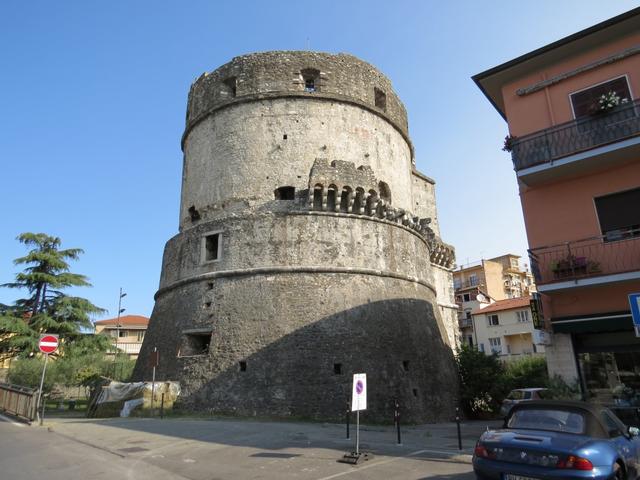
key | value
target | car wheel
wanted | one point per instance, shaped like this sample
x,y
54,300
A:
x,y
618,472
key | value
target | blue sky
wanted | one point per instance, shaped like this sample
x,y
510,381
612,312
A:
x,y
93,99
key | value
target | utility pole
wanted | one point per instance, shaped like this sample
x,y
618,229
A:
x,y
120,310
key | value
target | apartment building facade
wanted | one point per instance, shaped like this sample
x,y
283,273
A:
x,y
573,112
506,327
485,281
126,333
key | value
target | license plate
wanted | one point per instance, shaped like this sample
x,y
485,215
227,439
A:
x,y
510,476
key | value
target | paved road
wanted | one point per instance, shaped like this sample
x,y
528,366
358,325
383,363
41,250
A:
x,y
28,453
224,449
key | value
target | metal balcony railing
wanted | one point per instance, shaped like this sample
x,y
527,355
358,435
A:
x,y
465,322
576,136
457,285
131,348
590,257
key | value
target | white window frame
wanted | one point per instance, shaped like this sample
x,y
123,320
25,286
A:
x,y
523,316
203,247
490,323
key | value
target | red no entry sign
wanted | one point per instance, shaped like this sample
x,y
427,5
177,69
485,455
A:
x,y
48,343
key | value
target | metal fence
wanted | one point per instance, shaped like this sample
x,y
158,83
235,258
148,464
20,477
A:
x,y
577,135
18,401
590,257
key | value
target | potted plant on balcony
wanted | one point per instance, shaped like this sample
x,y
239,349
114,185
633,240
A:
x,y
569,266
509,142
607,102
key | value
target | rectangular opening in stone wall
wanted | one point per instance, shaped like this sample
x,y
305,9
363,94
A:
x,y
231,84
415,392
243,366
285,193
380,98
337,368
195,343
194,214
310,77
210,285
405,365
211,247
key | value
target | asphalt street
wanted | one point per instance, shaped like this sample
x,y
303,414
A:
x,y
206,449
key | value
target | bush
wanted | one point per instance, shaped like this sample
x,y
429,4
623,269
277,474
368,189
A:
x,y
482,379
560,390
485,381
527,372
70,370
27,372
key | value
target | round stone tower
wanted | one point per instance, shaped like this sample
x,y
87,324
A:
x,y
308,249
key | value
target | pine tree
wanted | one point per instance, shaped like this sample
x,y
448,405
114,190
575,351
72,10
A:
x,y
47,308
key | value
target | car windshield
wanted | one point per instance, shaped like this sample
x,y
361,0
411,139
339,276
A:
x,y
548,419
515,395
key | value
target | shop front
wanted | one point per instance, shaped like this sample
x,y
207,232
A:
x,y
608,358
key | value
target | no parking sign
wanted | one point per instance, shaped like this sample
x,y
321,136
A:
x,y
359,393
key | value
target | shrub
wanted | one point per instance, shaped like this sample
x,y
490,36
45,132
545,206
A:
x,y
482,381
561,390
27,372
70,370
527,372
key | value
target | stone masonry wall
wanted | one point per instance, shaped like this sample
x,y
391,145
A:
x,y
305,252
292,331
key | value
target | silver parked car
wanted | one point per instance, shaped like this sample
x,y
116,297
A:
x,y
520,395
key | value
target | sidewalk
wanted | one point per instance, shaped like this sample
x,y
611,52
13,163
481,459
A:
x,y
237,449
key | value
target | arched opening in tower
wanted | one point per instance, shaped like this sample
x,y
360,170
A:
x,y
331,198
385,192
317,197
345,199
358,201
372,202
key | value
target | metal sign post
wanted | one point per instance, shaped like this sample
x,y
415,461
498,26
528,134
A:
x,y
154,359
634,303
47,344
358,402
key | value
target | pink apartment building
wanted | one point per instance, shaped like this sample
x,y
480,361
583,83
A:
x,y
573,111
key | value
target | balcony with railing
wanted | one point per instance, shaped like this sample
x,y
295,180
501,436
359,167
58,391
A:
x,y
465,323
130,348
579,135
611,254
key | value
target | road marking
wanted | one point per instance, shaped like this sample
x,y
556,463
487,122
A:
x,y
375,464
13,422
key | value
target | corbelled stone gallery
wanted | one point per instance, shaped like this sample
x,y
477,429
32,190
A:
x,y
308,249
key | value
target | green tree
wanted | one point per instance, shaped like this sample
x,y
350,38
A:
x,y
47,309
482,381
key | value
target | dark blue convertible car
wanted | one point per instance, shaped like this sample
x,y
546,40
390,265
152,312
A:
x,y
558,440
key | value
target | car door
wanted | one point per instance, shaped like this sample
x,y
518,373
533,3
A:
x,y
627,446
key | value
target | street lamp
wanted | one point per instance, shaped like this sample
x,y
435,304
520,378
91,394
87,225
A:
x,y
120,310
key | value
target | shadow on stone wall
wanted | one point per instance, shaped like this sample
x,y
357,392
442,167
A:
x,y
307,373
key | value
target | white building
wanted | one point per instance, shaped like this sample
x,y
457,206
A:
x,y
506,327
